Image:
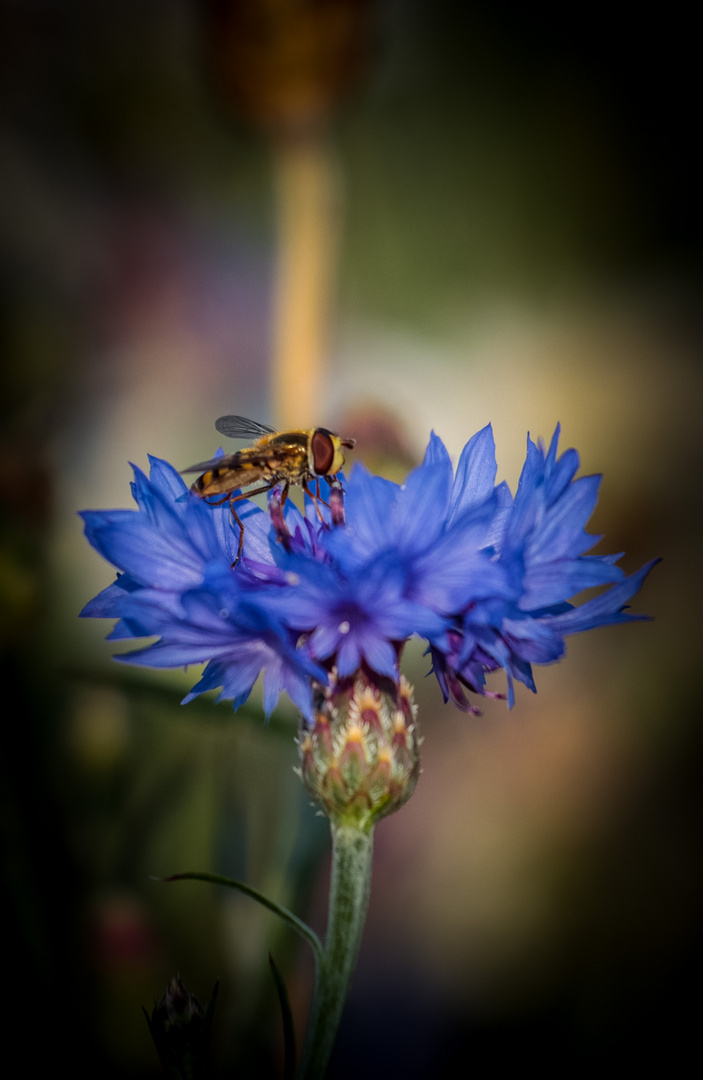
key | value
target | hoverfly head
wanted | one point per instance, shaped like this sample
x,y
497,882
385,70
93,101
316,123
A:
x,y
326,452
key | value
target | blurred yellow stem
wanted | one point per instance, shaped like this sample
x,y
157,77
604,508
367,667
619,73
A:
x,y
308,226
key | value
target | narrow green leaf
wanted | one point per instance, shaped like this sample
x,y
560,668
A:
x,y
293,921
287,1018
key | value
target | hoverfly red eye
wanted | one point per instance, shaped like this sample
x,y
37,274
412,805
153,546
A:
x,y
322,452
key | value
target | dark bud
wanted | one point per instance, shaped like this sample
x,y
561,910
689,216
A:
x,y
181,1027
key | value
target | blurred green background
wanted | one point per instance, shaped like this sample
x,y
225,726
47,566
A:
x,y
518,239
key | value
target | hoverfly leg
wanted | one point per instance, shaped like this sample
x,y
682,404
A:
x,y
240,545
319,497
316,499
276,504
237,498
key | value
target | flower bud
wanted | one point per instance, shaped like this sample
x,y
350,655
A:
x,y
180,1027
360,759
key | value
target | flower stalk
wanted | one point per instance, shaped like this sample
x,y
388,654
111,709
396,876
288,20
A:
x,y
359,761
352,851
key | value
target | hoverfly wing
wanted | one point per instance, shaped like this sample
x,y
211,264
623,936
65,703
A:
x,y
238,427
224,461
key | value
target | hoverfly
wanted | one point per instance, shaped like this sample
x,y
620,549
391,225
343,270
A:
x,y
290,457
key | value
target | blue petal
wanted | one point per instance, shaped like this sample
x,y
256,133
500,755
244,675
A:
x,y
561,532
348,655
380,656
103,606
475,474
604,609
563,472
125,629
436,452
554,582
149,556
533,641
528,505
166,481
156,502
164,654
368,504
419,515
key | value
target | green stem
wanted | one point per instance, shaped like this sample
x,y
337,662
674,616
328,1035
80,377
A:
x,y
352,851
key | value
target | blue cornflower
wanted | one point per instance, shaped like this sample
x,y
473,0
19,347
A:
x,y
539,538
354,617
176,555
449,556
